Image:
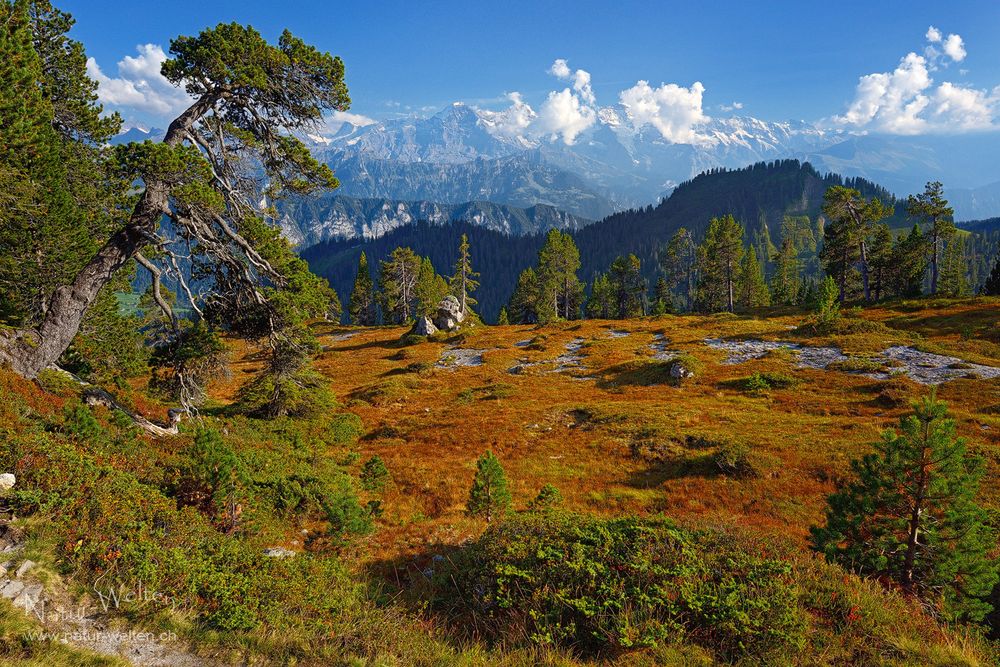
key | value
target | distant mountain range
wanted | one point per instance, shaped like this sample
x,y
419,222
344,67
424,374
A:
x,y
462,154
521,180
307,221
456,162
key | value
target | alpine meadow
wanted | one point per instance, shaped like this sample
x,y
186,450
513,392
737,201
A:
x,y
407,342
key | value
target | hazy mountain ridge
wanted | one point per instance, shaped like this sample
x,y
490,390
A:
x,y
621,166
522,180
615,166
462,154
306,221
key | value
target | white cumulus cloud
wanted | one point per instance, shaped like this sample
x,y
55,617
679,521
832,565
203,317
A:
x,y
566,114
908,101
963,108
891,101
581,79
954,48
139,84
673,110
560,69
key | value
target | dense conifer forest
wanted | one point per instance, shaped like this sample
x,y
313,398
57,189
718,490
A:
x,y
773,201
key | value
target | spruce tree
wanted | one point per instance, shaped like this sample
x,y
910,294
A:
x,y
953,280
663,301
430,288
489,496
363,310
992,285
787,279
851,220
679,261
719,258
523,307
49,241
933,208
628,287
335,310
909,514
188,186
464,282
549,497
826,302
397,285
880,258
909,263
753,291
601,303
561,291
502,319
839,255
220,477
61,193
374,475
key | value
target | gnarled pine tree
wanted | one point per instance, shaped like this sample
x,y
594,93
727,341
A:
x,y
201,188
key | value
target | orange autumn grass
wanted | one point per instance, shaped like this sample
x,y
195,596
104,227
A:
x,y
614,444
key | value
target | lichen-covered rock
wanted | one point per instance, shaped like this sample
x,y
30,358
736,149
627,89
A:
x,y
423,327
679,371
7,481
449,314
279,552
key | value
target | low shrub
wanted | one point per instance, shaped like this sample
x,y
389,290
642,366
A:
x,y
896,392
382,393
490,392
761,383
497,391
548,498
410,339
735,460
345,428
180,533
688,362
859,365
374,475
603,586
421,368
302,393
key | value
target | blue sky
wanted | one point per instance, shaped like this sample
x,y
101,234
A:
x,y
778,60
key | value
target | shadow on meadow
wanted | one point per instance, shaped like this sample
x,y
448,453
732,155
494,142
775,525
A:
x,y
637,373
697,466
980,319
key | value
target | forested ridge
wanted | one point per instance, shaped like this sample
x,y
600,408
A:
x,y
771,200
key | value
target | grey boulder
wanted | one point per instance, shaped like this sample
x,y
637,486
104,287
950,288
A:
x,y
424,327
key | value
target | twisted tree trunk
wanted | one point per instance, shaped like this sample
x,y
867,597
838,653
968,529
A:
x,y
29,351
